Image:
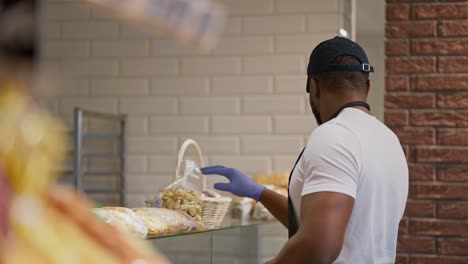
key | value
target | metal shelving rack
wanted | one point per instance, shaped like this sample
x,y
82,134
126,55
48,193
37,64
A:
x,y
79,136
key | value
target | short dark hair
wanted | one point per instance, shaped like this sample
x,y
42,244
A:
x,y
344,80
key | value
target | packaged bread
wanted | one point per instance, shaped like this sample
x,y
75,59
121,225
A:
x,y
155,224
177,221
124,219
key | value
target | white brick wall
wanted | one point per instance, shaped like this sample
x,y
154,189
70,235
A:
x,y
244,102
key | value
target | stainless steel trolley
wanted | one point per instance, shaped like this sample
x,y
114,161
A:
x,y
116,174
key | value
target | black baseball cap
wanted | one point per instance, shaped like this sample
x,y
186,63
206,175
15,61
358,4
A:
x,y
319,60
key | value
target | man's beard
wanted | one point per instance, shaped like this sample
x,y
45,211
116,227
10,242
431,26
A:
x,y
316,113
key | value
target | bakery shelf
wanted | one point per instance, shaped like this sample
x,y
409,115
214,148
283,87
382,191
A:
x,y
233,242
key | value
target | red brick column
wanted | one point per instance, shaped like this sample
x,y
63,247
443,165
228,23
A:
x,y
426,104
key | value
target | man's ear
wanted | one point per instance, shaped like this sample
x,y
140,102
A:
x,y
317,87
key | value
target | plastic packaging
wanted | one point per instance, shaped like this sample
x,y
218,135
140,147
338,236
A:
x,y
242,208
182,194
124,219
177,221
155,224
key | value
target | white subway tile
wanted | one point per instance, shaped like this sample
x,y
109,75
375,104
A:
x,y
120,48
273,104
323,23
180,86
244,45
162,164
233,26
148,105
218,145
102,13
284,163
137,199
274,24
137,126
179,125
62,49
250,165
209,105
300,43
247,7
97,165
165,47
296,124
50,30
102,126
238,125
90,67
151,145
274,64
242,85
272,145
290,84
52,66
67,87
119,87
131,31
149,67
306,6
211,66
106,105
90,30
135,164
146,184
65,11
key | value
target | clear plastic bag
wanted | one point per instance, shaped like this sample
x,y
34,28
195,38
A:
x,y
123,219
183,194
242,208
176,221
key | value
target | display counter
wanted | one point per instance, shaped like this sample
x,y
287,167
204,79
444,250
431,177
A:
x,y
234,242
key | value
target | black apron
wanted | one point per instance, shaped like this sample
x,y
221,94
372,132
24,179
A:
x,y
292,220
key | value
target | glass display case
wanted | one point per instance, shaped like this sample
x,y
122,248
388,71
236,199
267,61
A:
x,y
233,242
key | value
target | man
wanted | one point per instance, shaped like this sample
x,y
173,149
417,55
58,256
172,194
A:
x,y
348,189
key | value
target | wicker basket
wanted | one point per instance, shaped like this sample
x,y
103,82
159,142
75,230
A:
x,y
213,209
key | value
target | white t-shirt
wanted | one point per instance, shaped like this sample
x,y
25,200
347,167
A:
x,y
355,154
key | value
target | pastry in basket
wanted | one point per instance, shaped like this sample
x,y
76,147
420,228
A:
x,y
124,219
205,206
177,221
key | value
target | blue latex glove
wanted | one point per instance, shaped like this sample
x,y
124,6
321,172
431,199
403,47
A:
x,y
239,184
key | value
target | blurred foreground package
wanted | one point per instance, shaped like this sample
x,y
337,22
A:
x,y
41,222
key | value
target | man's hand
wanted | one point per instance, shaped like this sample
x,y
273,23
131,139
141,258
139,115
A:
x,y
239,184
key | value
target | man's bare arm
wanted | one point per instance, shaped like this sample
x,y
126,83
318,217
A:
x,y
324,217
277,204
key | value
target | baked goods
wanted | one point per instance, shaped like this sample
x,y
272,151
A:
x,y
123,247
47,223
155,224
124,219
183,199
177,221
280,179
